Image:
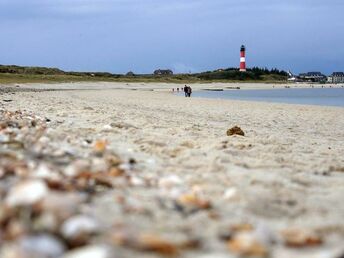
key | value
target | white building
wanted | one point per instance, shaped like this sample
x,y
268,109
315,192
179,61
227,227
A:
x,y
338,77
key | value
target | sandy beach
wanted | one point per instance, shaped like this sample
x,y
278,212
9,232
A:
x,y
184,180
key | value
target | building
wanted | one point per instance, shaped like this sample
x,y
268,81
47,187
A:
x,y
163,72
313,77
338,77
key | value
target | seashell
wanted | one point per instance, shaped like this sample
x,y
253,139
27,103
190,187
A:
x,y
87,179
113,160
136,181
170,181
243,227
193,200
145,242
116,172
156,244
107,128
26,193
100,146
88,252
230,194
246,244
78,226
300,238
236,130
42,246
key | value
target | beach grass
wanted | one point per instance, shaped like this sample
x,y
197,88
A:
x,y
8,78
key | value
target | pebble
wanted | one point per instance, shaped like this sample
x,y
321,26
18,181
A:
x,y
79,225
26,193
107,128
230,194
42,246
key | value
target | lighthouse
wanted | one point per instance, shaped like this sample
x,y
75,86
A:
x,y
242,59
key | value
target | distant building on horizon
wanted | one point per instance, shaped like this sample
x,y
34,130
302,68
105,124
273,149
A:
x,y
313,77
337,77
163,72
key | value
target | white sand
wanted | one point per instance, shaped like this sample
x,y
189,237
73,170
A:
x,y
286,172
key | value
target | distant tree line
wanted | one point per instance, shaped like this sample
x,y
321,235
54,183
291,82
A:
x,y
233,74
254,73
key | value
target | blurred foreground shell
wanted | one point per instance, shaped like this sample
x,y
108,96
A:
x,y
153,243
246,244
192,200
26,193
100,146
301,238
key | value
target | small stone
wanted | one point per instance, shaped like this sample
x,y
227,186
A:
x,y
235,131
42,246
79,228
107,128
230,193
26,193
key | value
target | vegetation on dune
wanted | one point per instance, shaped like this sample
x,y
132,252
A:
x,y
21,74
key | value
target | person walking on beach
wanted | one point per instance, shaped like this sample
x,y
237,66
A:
x,y
189,91
186,91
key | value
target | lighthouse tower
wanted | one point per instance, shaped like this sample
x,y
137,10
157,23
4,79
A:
x,y
242,59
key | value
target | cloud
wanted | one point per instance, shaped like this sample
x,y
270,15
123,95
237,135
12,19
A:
x,y
121,35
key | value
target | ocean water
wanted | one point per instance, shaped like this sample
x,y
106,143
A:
x,y
311,96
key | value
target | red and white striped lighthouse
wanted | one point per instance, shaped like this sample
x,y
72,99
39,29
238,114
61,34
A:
x,y
242,59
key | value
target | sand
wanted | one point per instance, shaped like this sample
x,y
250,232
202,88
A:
x,y
286,172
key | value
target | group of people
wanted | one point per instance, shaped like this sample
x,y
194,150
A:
x,y
187,91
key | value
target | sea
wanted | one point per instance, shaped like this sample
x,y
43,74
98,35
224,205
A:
x,y
311,96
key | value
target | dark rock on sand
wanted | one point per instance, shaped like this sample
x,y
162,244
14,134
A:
x,y
235,130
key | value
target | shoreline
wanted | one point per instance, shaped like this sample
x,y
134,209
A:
x,y
163,86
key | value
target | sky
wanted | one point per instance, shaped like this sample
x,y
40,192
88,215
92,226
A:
x,y
183,35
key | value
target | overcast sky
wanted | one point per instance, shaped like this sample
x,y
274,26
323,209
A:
x,y
183,35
